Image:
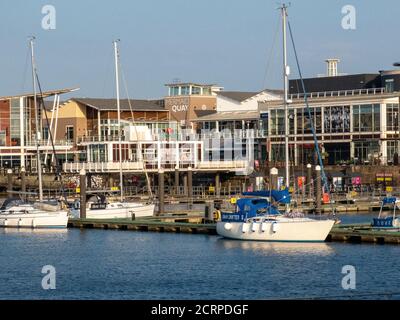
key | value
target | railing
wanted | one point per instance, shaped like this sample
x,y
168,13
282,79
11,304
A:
x,y
153,165
327,94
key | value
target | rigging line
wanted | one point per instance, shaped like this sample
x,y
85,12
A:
x,y
56,166
271,53
325,181
134,126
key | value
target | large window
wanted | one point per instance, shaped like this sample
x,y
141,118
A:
x,y
392,148
366,118
389,85
304,122
366,151
69,133
392,117
337,119
277,122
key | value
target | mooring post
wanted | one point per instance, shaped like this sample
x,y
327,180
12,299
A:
x,y
176,181
190,187
309,181
9,183
161,191
185,185
23,182
318,191
217,185
209,210
274,178
82,187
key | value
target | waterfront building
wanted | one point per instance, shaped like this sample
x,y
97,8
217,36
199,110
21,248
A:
x,y
355,118
17,130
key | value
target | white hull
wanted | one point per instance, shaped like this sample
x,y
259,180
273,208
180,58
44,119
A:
x,y
34,219
118,211
286,229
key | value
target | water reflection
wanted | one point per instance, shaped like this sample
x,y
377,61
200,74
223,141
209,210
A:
x,y
263,247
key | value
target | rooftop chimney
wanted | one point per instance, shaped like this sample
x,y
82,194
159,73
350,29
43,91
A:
x,y
331,65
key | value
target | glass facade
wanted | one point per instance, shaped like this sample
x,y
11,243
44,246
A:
x,y
337,119
366,118
392,112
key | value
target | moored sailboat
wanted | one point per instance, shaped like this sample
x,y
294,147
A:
x,y
259,219
36,214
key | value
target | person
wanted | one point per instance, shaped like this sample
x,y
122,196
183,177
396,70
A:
x,y
217,214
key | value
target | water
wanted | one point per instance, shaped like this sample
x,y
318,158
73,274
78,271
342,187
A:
x,y
107,264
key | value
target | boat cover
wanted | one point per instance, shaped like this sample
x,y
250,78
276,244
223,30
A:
x,y
388,200
282,196
249,208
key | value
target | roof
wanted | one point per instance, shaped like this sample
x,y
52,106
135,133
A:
x,y
230,115
337,83
244,95
202,113
111,104
45,94
177,84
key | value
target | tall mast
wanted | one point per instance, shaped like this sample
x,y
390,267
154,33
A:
x,y
39,164
285,94
121,184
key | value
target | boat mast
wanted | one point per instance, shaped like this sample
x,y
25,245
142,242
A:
x,y
121,184
285,94
39,164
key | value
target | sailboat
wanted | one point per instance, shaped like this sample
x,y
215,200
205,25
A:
x,y
37,214
101,208
256,218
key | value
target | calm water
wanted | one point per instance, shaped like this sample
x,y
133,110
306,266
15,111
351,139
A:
x,y
106,264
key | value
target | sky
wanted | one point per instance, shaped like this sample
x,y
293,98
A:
x,y
231,43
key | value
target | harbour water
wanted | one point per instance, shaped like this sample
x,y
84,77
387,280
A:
x,y
108,264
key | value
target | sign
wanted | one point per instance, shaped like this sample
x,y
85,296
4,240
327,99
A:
x,y
211,189
78,190
114,188
356,181
98,206
301,181
233,200
179,108
389,189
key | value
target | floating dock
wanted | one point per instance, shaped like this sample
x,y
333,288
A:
x,y
355,233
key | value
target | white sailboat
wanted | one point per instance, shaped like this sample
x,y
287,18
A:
x,y
256,218
119,209
37,214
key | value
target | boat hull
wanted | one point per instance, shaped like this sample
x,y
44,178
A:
x,y
40,219
303,230
126,211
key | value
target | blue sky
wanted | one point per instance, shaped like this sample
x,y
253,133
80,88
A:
x,y
226,42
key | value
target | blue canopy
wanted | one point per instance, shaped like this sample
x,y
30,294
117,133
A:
x,y
387,200
249,208
282,196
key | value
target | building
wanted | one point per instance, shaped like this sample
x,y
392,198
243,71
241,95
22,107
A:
x,y
355,119
185,101
18,130
84,120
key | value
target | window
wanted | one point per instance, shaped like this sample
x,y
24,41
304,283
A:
x,y
277,122
366,118
2,138
389,85
392,112
196,90
69,135
45,133
185,90
337,119
174,91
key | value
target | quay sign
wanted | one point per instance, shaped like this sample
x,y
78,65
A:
x,y
179,108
